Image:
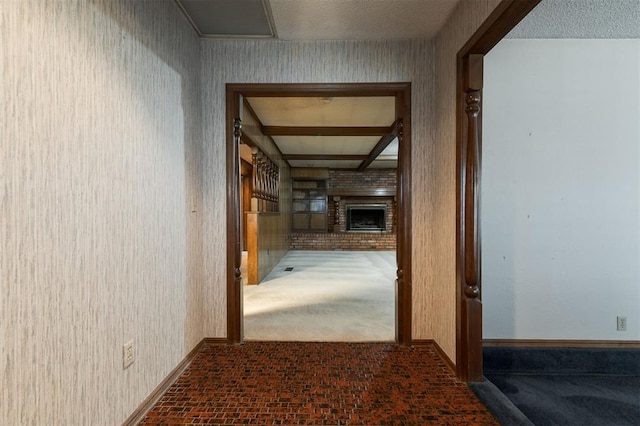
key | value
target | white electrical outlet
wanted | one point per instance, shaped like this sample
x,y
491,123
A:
x,y
128,355
622,324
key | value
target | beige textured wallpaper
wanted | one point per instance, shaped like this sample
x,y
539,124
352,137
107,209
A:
x,y
309,62
99,111
441,304
112,188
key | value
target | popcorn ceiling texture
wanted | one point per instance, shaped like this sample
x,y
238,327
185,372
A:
x,y
582,19
98,180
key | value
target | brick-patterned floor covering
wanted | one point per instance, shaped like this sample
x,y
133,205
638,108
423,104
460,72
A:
x,y
296,383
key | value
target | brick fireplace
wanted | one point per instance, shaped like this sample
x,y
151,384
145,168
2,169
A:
x,y
371,192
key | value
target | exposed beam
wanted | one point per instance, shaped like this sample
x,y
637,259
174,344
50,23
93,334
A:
x,y
251,111
331,90
380,146
332,157
324,131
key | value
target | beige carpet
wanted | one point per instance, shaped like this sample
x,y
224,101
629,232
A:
x,y
329,296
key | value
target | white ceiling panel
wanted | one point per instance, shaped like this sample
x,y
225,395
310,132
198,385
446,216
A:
x,y
371,111
384,164
326,145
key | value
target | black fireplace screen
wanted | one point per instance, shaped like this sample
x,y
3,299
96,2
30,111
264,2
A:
x,y
370,217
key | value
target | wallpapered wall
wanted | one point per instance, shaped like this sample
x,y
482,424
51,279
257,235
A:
x,y
431,68
311,62
466,18
100,110
113,159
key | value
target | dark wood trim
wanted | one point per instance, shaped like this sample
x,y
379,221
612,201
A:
x,y
468,160
155,395
544,343
379,147
404,283
365,192
250,110
246,168
324,157
420,343
317,89
261,126
234,215
402,93
324,131
499,23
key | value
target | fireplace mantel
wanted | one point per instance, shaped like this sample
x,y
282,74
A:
x,y
361,192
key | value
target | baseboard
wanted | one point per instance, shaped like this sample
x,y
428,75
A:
x,y
146,405
561,360
438,349
544,343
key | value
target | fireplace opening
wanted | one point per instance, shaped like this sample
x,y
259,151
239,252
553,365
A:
x,y
367,217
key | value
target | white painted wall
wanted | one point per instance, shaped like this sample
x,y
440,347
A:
x,y
561,189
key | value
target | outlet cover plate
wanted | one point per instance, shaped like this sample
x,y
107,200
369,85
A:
x,y
128,355
622,324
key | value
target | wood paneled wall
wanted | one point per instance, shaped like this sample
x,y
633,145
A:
x,y
268,243
269,223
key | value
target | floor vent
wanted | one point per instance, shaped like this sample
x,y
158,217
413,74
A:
x,y
289,268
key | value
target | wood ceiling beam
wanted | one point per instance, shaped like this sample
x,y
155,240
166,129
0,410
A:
x,y
331,157
324,131
252,112
380,146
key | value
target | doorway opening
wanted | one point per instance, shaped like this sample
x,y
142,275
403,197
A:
x,y
237,94
469,86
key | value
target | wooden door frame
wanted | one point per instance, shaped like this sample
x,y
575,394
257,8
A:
x,y
234,95
468,164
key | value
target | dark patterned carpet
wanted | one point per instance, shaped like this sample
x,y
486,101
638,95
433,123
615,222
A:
x,y
566,386
296,383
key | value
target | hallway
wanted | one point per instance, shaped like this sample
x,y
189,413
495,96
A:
x,y
339,296
266,383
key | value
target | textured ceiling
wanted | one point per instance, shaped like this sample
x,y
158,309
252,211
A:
x,y
359,19
582,19
398,19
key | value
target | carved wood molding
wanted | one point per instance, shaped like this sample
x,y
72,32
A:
x,y
469,150
236,94
266,178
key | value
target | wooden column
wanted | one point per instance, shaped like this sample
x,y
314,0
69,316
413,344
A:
x,y
471,160
234,285
403,286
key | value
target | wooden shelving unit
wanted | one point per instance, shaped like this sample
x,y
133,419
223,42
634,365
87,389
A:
x,y
309,205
